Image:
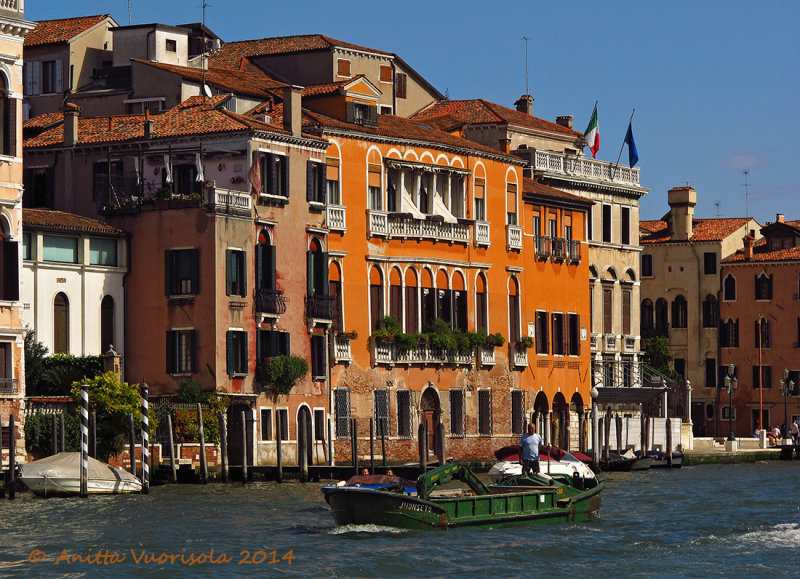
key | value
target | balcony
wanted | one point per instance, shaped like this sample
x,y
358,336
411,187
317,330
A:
x,y
270,302
551,162
541,246
573,250
594,341
558,247
513,237
336,217
404,226
388,353
228,201
9,386
341,349
611,342
519,355
320,306
482,231
486,356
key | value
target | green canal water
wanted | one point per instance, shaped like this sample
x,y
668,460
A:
x,y
705,521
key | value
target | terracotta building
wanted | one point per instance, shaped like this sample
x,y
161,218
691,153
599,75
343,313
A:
x,y
760,328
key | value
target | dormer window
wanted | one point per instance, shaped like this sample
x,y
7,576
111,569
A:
x,y
343,67
360,113
172,45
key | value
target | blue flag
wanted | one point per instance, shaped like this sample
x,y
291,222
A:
x,y
633,154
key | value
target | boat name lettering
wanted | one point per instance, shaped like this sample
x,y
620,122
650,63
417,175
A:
x,y
406,506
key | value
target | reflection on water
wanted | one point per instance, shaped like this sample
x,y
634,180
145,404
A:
x,y
725,520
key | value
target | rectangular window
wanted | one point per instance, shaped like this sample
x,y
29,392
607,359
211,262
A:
x,y
589,224
184,180
60,249
102,251
283,422
342,409
574,334
762,333
342,67
236,272
26,245
553,228
517,411
181,351
266,424
647,265
50,69
381,411
607,223
711,372
401,85
480,199
403,414
107,180
542,346
319,425
457,413
275,175
236,352
181,276
765,375
6,365
625,225
680,367
319,359
272,343
485,412
607,310
511,204
171,45
332,181
386,73
558,335
626,312
316,182
374,187
710,263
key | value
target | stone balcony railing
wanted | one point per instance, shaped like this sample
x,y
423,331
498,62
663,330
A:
x,y
594,341
514,237
482,233
518,354
341,349
336,217
611,342
229,201
388,353
551,162
486,356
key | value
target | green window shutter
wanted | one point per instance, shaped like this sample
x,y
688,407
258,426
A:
x,y
193,350
243,270
245,354
272,264
195,253
230,269
285,342
310,272
259,266
170,352
229,352
273,174
274,348
324,285
309,181
168,255
285,172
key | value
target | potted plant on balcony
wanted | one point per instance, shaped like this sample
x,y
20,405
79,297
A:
x,y
525,342
493,340
279,374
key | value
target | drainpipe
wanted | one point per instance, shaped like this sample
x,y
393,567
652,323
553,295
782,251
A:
x,y
329,387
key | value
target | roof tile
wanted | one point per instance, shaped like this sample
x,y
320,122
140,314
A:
x,y
656,231
59,220
57,31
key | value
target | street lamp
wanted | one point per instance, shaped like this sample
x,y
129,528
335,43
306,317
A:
x,y
788,388
731,383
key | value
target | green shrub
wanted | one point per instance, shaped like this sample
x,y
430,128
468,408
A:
x,y
187,428
281,373
39,432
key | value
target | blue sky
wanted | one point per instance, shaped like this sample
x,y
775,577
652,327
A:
x,y
714,84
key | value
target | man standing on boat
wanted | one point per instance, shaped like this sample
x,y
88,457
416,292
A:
x,y
529,451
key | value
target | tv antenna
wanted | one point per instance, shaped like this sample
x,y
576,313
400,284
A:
x,y
129,12
746,192
716,204
526,39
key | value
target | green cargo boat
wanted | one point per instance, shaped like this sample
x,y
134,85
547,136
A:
x,y
536,498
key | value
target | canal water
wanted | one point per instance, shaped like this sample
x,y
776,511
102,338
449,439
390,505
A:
x,y
705,521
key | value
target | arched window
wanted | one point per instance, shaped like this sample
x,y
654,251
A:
x,y
679,312
763,286
710,312
444,297
428,300
513,310
375,298
646,318
106,323
412,316
729,288
662,320
61,324
729,338
335,290
481,304
396,295
318,300
459,302
9,263
8,141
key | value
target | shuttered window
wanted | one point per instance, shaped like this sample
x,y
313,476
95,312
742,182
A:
x,y
316,182
386,73
403,414
181,351
381,411
332,181
457,413
607,310
401,85
511,204
480,199
542,346
342,409
626,312
181,275
559,336
517,411
266,424
235,272
236,352
9,269
574,321
273,343
319,358
485,412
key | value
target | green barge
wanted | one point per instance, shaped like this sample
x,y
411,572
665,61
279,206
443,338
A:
x,y
531,499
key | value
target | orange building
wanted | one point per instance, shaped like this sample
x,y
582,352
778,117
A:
x,y
760,329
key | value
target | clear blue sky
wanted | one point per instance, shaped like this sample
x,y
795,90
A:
x,y
714,84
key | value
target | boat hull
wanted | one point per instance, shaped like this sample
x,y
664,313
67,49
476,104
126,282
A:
x,y
358,506
51,487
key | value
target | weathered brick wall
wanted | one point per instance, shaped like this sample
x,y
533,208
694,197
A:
x,y
15,407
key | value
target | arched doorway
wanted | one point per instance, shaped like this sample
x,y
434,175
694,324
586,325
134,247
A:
x,y
577,422
304,427
236,446
541,410
430,414
560,421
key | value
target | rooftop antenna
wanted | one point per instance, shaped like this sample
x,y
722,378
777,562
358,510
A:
x,y
526,38
204,62
716,204
129,12
746,192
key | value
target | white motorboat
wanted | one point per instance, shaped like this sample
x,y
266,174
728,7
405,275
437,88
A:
x,y
60,475
566,463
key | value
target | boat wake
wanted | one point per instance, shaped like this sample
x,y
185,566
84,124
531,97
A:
x,y
345,529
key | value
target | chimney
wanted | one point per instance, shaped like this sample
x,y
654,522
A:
x,y
71,114
780,218
525,104
505,146
564,121
748,246
292,109
681,202
148,125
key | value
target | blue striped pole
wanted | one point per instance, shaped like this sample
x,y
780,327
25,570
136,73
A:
x,y
84,439
145,441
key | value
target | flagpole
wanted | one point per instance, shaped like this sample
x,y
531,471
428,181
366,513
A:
x,y
622,146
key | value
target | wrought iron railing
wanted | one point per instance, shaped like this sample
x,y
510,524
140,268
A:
x,y
320,306
270,302
574,250
9,386
541,246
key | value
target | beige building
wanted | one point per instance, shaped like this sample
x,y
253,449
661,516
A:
x,y
12,358
681,293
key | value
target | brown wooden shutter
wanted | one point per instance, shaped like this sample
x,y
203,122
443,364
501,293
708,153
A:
x,y
607,303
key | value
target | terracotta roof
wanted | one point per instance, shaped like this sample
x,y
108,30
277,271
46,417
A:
x,y
248,82
536,188
762,253
702,229
57,31
59,220
451,115
326,88
197,115
42,121
232,54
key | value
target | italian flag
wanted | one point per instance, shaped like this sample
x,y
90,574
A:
x,y
592,134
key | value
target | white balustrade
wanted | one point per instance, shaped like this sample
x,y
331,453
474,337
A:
x,y
520,356
583,167
384,224
482,232
487,355
232,199
378,223
389,353
611,342
336,217
342,349
514,236
593,341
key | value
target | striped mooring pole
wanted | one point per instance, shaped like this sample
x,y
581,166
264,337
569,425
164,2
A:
x,y
84,439
145,441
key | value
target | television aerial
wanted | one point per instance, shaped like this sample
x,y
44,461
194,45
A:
x,y
206,90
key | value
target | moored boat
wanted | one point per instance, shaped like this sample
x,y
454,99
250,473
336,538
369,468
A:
x,y
625,463
552,461
537,498
375,481
60,475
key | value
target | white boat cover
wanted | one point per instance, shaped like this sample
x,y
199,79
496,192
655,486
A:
x,y
66,465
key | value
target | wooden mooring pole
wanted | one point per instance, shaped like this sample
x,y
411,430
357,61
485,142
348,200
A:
x,y
173,475
53,434
84,484
371,446
244,446
383,445
61,445
354,443
618,424
2,472
223,443
279,445
669,441
132,443
93,434
12,457
302,454
203,461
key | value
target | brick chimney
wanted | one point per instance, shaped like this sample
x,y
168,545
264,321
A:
x,y
148,125
292,109
525,104
564,121
505,145
780,218
681,203
71,113
748,241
